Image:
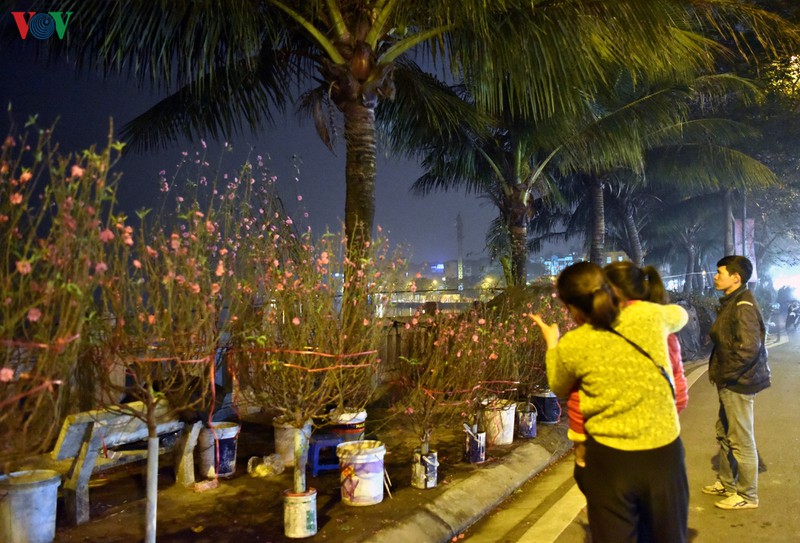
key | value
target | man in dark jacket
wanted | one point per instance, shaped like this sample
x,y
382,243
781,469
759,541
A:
x,y
738,366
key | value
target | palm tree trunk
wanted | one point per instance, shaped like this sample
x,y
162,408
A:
x,y
359,206
597,249
519,255
518,236
691,258
634,241
728,218
360,172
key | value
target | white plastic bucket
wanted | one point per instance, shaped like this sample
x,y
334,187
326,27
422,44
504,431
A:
x,y
361,471
498,420
284,439
300,513
225,442
28,506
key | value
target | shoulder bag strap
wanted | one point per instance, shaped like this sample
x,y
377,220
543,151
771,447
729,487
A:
x,y
660,368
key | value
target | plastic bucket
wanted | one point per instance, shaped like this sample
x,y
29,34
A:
x,y
424,470
526,421
349,426
349,432
361,471
548,407
222,438
475,448
284,439
28,502
300,513
498,419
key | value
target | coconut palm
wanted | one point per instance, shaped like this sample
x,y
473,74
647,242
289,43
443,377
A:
x,y
676,148
689,234
512,161
228,66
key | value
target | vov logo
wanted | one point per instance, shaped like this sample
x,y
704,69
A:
x,y
42,25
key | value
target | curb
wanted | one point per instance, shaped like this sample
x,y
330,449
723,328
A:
x,y
472,498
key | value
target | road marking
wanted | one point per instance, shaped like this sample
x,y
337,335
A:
x,y
695,375
556,520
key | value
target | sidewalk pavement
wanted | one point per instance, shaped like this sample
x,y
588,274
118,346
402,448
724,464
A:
x,y
467,501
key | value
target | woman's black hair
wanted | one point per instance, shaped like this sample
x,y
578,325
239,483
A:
x,y
637,283
584,286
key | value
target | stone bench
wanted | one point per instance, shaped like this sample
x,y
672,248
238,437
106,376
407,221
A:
x,y
93,442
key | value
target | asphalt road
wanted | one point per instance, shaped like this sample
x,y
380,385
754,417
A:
x,y
549,508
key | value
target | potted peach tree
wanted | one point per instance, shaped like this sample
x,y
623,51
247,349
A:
x,y
157,328
309,339
52,209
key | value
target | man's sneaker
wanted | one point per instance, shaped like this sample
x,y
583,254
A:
x,y
735,501
717,489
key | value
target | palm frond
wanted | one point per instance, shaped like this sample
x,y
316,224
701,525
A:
x,y
700,168
426,112
217,106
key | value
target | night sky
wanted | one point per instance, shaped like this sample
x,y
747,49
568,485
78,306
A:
x,y
84,103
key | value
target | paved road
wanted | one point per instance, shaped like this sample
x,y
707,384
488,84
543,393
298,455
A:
x,y
548,509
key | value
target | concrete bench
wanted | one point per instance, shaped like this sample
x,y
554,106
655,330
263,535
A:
x,y
88,444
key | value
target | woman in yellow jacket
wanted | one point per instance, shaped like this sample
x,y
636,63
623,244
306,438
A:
x,y
635,476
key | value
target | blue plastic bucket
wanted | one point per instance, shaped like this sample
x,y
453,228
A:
x,y
475,448
548,407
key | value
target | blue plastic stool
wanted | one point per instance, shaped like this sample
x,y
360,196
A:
x,y
316,445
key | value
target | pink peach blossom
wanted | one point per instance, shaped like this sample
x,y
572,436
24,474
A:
x,y
76,171
15,198
34,314
23,267
106,235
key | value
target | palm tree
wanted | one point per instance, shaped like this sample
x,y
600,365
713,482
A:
x,y
687,234
227,66
500,162
512,161
674,150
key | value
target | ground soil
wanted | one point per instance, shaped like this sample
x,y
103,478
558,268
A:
x,y
245,509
